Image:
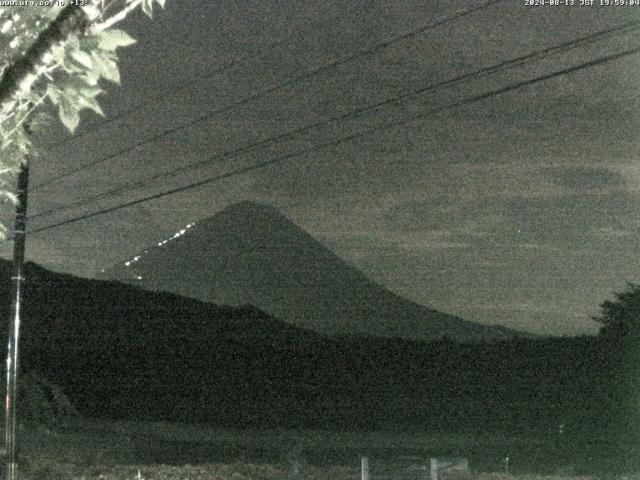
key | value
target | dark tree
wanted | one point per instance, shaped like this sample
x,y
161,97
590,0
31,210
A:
x,y
618,369
621,318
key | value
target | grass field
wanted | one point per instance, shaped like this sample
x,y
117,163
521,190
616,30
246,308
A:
x,y
89,449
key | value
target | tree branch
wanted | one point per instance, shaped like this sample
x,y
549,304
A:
x,y
19,77
112,20
26,115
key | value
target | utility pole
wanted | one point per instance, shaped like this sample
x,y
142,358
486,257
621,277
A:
x,y
16,79
17,280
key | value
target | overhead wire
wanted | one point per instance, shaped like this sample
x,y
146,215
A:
x,y
163,95
336,142
479,73
188,84
274,87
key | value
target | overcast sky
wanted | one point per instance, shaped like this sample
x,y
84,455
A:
x,y
521,209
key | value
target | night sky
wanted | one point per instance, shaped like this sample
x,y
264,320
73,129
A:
x,y
520,209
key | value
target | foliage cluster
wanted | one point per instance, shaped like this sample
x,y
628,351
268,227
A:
x,y
71,78
620,318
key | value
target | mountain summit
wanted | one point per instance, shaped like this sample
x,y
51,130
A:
x,y
250,253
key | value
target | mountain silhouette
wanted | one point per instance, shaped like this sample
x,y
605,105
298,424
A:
x,y
250,253
119,351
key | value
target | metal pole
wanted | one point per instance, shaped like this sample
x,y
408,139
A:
x,y
433,464
14,323
364,470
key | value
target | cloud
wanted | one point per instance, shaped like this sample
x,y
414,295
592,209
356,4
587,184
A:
x,y
570,219
585,178
610,233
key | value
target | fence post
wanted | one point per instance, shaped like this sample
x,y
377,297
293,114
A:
x,y
434,468
365,467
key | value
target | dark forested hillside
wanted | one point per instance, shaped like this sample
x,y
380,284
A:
x,y
119,351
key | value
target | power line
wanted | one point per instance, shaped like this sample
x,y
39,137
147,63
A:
x,y
260,165
183,85
511,63
186,85
274,87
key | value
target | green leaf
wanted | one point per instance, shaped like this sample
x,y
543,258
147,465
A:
x,y
12,197
6,26
75,94
22,142
92,104
39,121
89,42
113,72
86,97
72,44
58,53
107,67
147,8
69,115
92,76
33,96
111,39
54,94
83,58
